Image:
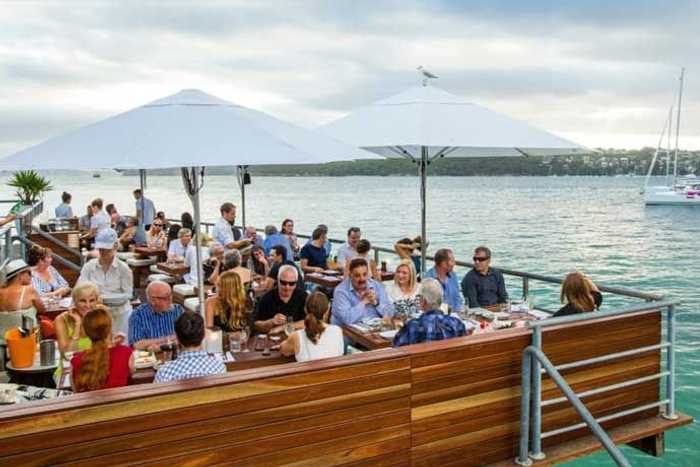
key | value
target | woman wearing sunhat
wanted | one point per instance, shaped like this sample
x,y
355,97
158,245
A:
x,y
18,298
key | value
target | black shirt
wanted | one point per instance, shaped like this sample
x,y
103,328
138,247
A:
x,y
484,289
271,304
570,309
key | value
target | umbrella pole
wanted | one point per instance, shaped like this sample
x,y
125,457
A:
x,y
141,227
198,246
241,183
423,167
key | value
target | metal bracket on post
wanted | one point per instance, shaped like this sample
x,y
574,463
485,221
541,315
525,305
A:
x,y
670,413
523,458
537,453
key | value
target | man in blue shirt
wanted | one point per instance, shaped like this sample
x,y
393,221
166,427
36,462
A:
x,y
153,323
443,271
349,249
274,238
433,324
64,210
145,209
313,255
192,361
359,297
484,285
225,233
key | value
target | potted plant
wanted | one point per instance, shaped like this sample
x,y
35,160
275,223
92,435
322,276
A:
x,y
30,188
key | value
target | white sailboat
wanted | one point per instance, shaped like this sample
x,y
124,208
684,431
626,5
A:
x,y
683,191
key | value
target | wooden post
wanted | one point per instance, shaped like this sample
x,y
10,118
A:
x,y
652,445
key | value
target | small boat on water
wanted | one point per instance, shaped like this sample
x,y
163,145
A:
x,y
684,191
96,175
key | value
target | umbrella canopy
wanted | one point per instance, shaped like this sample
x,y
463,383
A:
x,y
426,116
190,128
425,123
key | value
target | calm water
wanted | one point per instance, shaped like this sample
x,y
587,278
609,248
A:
x,y
537,224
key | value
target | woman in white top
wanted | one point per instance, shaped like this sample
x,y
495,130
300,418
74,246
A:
x,y
405,292
318,339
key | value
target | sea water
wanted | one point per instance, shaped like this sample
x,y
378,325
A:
x,y
545,225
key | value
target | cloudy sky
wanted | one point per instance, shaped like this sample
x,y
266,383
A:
x,y
602,73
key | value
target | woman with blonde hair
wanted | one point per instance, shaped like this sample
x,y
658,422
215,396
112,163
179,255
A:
x,y
69,324
103,365
229,309
404,292
318,339
580,293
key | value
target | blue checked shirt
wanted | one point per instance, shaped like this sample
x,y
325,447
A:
x,y
145,323
433,325
190,364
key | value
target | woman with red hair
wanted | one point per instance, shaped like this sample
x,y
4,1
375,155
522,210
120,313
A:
x,y
103,365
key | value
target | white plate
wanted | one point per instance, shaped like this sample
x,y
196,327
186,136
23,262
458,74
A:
x,y
388,334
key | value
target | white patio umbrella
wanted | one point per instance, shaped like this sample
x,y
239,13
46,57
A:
x,y
190,130
425,123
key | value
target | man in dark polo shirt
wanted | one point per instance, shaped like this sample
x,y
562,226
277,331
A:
x,y
284,302
483,285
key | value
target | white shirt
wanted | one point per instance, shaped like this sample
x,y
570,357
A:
x,y
117,280
100,221
191,261
345,253
407,304
223,232
176,248
330,344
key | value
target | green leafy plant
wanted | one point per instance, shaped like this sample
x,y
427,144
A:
x,y
30,186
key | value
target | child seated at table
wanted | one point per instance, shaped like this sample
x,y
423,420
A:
x,y
104,365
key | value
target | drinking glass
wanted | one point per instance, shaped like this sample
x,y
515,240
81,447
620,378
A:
x,y
234,342
244,340
289,327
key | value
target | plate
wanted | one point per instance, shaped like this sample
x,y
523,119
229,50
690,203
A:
x,y
388,334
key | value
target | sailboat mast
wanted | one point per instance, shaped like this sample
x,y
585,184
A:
x,y
678,127
668,144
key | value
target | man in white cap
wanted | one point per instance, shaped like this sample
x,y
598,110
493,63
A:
x,y
113,278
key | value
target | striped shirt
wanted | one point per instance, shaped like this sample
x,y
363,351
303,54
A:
x,y
146,323
190,364
43,286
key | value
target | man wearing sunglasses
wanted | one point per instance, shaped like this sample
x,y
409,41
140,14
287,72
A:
x,y
483,285
284,302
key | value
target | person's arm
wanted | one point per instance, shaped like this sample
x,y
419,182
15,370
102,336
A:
x,y
209,308
65,343
265,325
63,287
238,244
384,306
132,364
290,346
306,268
469,291
38,302
403,250
376,275
127,280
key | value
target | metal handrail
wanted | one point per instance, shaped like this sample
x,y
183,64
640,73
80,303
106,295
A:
x,y
529,354
62,244
533,371
63,261
525,276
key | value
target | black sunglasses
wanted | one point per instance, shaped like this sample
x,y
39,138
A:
x,y
287,283
158,225
478,259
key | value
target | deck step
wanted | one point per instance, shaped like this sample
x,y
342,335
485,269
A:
x,y
628,433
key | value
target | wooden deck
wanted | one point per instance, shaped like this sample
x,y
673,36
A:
x,y
454,402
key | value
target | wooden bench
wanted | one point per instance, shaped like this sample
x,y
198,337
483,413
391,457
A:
x,y
453,402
